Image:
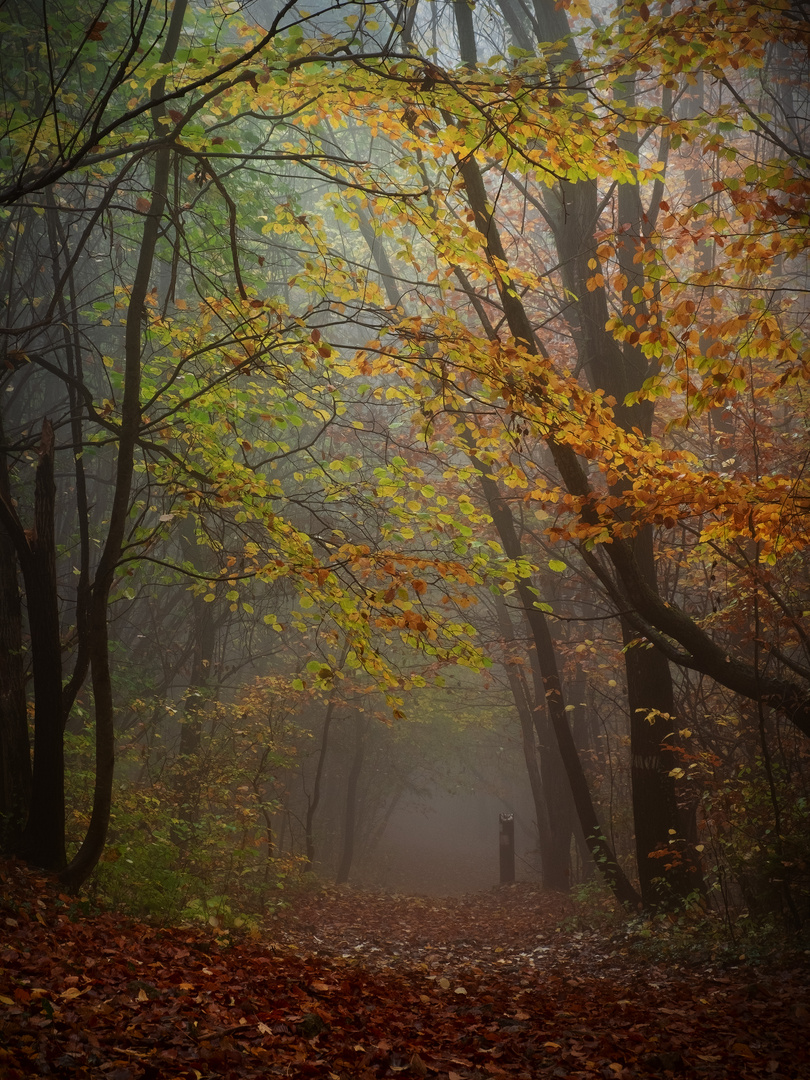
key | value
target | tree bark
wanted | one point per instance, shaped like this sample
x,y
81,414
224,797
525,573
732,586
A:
x,y
43,838
555,705
350,811
92,847
554,843
15,750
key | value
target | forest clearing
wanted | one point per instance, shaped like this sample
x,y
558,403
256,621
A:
x,y
347,985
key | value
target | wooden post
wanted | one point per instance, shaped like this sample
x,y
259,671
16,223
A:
x,y
507,848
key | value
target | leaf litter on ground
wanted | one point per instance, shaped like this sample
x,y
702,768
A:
x,y
350,984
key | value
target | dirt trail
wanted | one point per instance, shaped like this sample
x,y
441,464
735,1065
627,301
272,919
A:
x,y
350,985
507,926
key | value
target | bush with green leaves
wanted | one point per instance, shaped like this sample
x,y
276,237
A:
x,y
191,833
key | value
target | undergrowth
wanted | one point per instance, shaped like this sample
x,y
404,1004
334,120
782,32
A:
x,y
698,933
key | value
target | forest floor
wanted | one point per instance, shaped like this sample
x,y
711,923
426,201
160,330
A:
x,y
353,985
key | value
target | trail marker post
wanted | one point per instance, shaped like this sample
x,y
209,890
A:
x,y
507,848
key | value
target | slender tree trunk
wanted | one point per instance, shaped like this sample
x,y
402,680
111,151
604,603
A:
x,y
555,705
43,838
313,801
15,750
350,811
573,211
554,853
521,329
72,349
563,819
92,847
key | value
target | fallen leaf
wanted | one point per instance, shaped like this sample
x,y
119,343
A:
x,y
743,1050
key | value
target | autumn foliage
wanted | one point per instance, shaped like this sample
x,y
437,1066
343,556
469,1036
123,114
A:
x,y
351,355
358,987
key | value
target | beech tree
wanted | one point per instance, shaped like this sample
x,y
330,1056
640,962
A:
x,y
628,367
121,150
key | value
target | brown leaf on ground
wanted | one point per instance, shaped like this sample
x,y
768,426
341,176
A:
x,y
350,985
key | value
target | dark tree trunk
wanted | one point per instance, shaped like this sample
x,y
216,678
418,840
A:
x,y
594,834
86,858
666,872
521,329
15,750
43,838
350,811
558,793
313,801
555,704
554,845
573,209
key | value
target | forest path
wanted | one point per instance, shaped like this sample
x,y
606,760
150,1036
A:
x,y
350,985
503,928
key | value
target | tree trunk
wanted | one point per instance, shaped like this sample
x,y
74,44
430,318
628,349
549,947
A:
x,y
43,838
573,211
521,329
554,844
313,801
15,750
563,818
95,838
555,705
350,812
